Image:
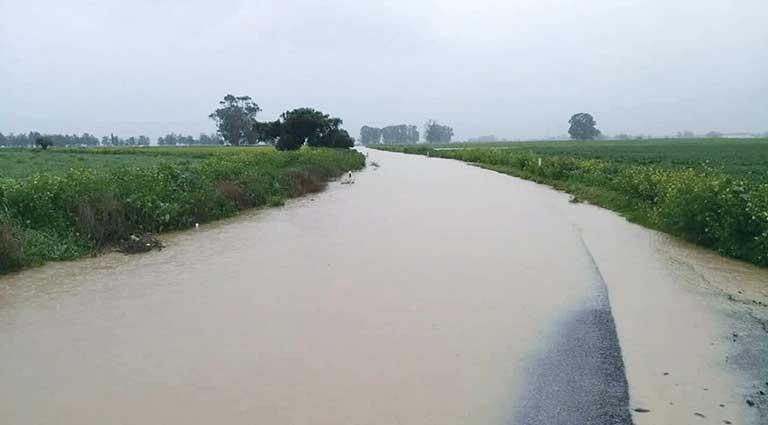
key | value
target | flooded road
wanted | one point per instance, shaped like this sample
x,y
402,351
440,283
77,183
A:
x,y
428,292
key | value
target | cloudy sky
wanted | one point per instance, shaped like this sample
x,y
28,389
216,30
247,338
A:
x,y
512,68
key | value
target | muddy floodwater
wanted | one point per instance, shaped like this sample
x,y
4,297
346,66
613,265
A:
x,y
427,292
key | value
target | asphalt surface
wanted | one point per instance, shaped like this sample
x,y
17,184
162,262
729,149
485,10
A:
x,y
578,377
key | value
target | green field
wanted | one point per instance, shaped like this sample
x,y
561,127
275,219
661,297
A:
x,y
746,158
19,163
63,204
713,192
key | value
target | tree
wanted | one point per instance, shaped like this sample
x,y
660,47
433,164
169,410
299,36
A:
x,y
43,142
3,140
267,132
337,138
306,125
370,135
583,127
713,135
287,142
434,132
235,119
401,134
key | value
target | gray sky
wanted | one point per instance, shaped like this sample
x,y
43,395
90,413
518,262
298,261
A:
x,y
513,68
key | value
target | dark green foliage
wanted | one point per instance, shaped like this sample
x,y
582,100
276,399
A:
x,y
287,142
434,132
307,124
582,127
235,119
337,138
310,126
10,252
705,205
43,142
52,217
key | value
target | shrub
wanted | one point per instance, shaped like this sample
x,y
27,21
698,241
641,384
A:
x,y
233,193
10,251
65,217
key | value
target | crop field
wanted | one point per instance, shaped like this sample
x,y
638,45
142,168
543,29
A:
x,y
713,192
746,158
64,204
20,163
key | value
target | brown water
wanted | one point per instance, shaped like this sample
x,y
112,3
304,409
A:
x,y
413,296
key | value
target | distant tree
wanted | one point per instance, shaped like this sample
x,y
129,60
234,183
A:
x,y
43,142
412,134
3,140
434,132
400,134
622,136
685,135
714,135
235,118
583,127
370,135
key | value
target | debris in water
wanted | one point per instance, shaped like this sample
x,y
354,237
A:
x,y
750,403
137,244
641,410
699,415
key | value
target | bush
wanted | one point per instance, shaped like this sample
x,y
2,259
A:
x,y
65,217
10,252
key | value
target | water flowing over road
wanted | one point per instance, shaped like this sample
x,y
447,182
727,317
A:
x,y
428,292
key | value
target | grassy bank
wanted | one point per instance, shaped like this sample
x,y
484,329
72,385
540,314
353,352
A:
x,y
75,203
695,196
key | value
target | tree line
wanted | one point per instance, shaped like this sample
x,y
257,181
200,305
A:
x,y
401,134
35,138
173,139
393,134
30,139
237,124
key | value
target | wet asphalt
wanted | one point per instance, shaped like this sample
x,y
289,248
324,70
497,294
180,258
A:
x,y
578,377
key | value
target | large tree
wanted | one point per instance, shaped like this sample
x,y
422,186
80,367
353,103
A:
x,y
235,119
583,127
434,132
306,125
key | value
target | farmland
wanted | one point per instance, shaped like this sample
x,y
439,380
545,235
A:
x,y
65,204
710,192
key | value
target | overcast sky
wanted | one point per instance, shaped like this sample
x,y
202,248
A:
x,y
511,68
